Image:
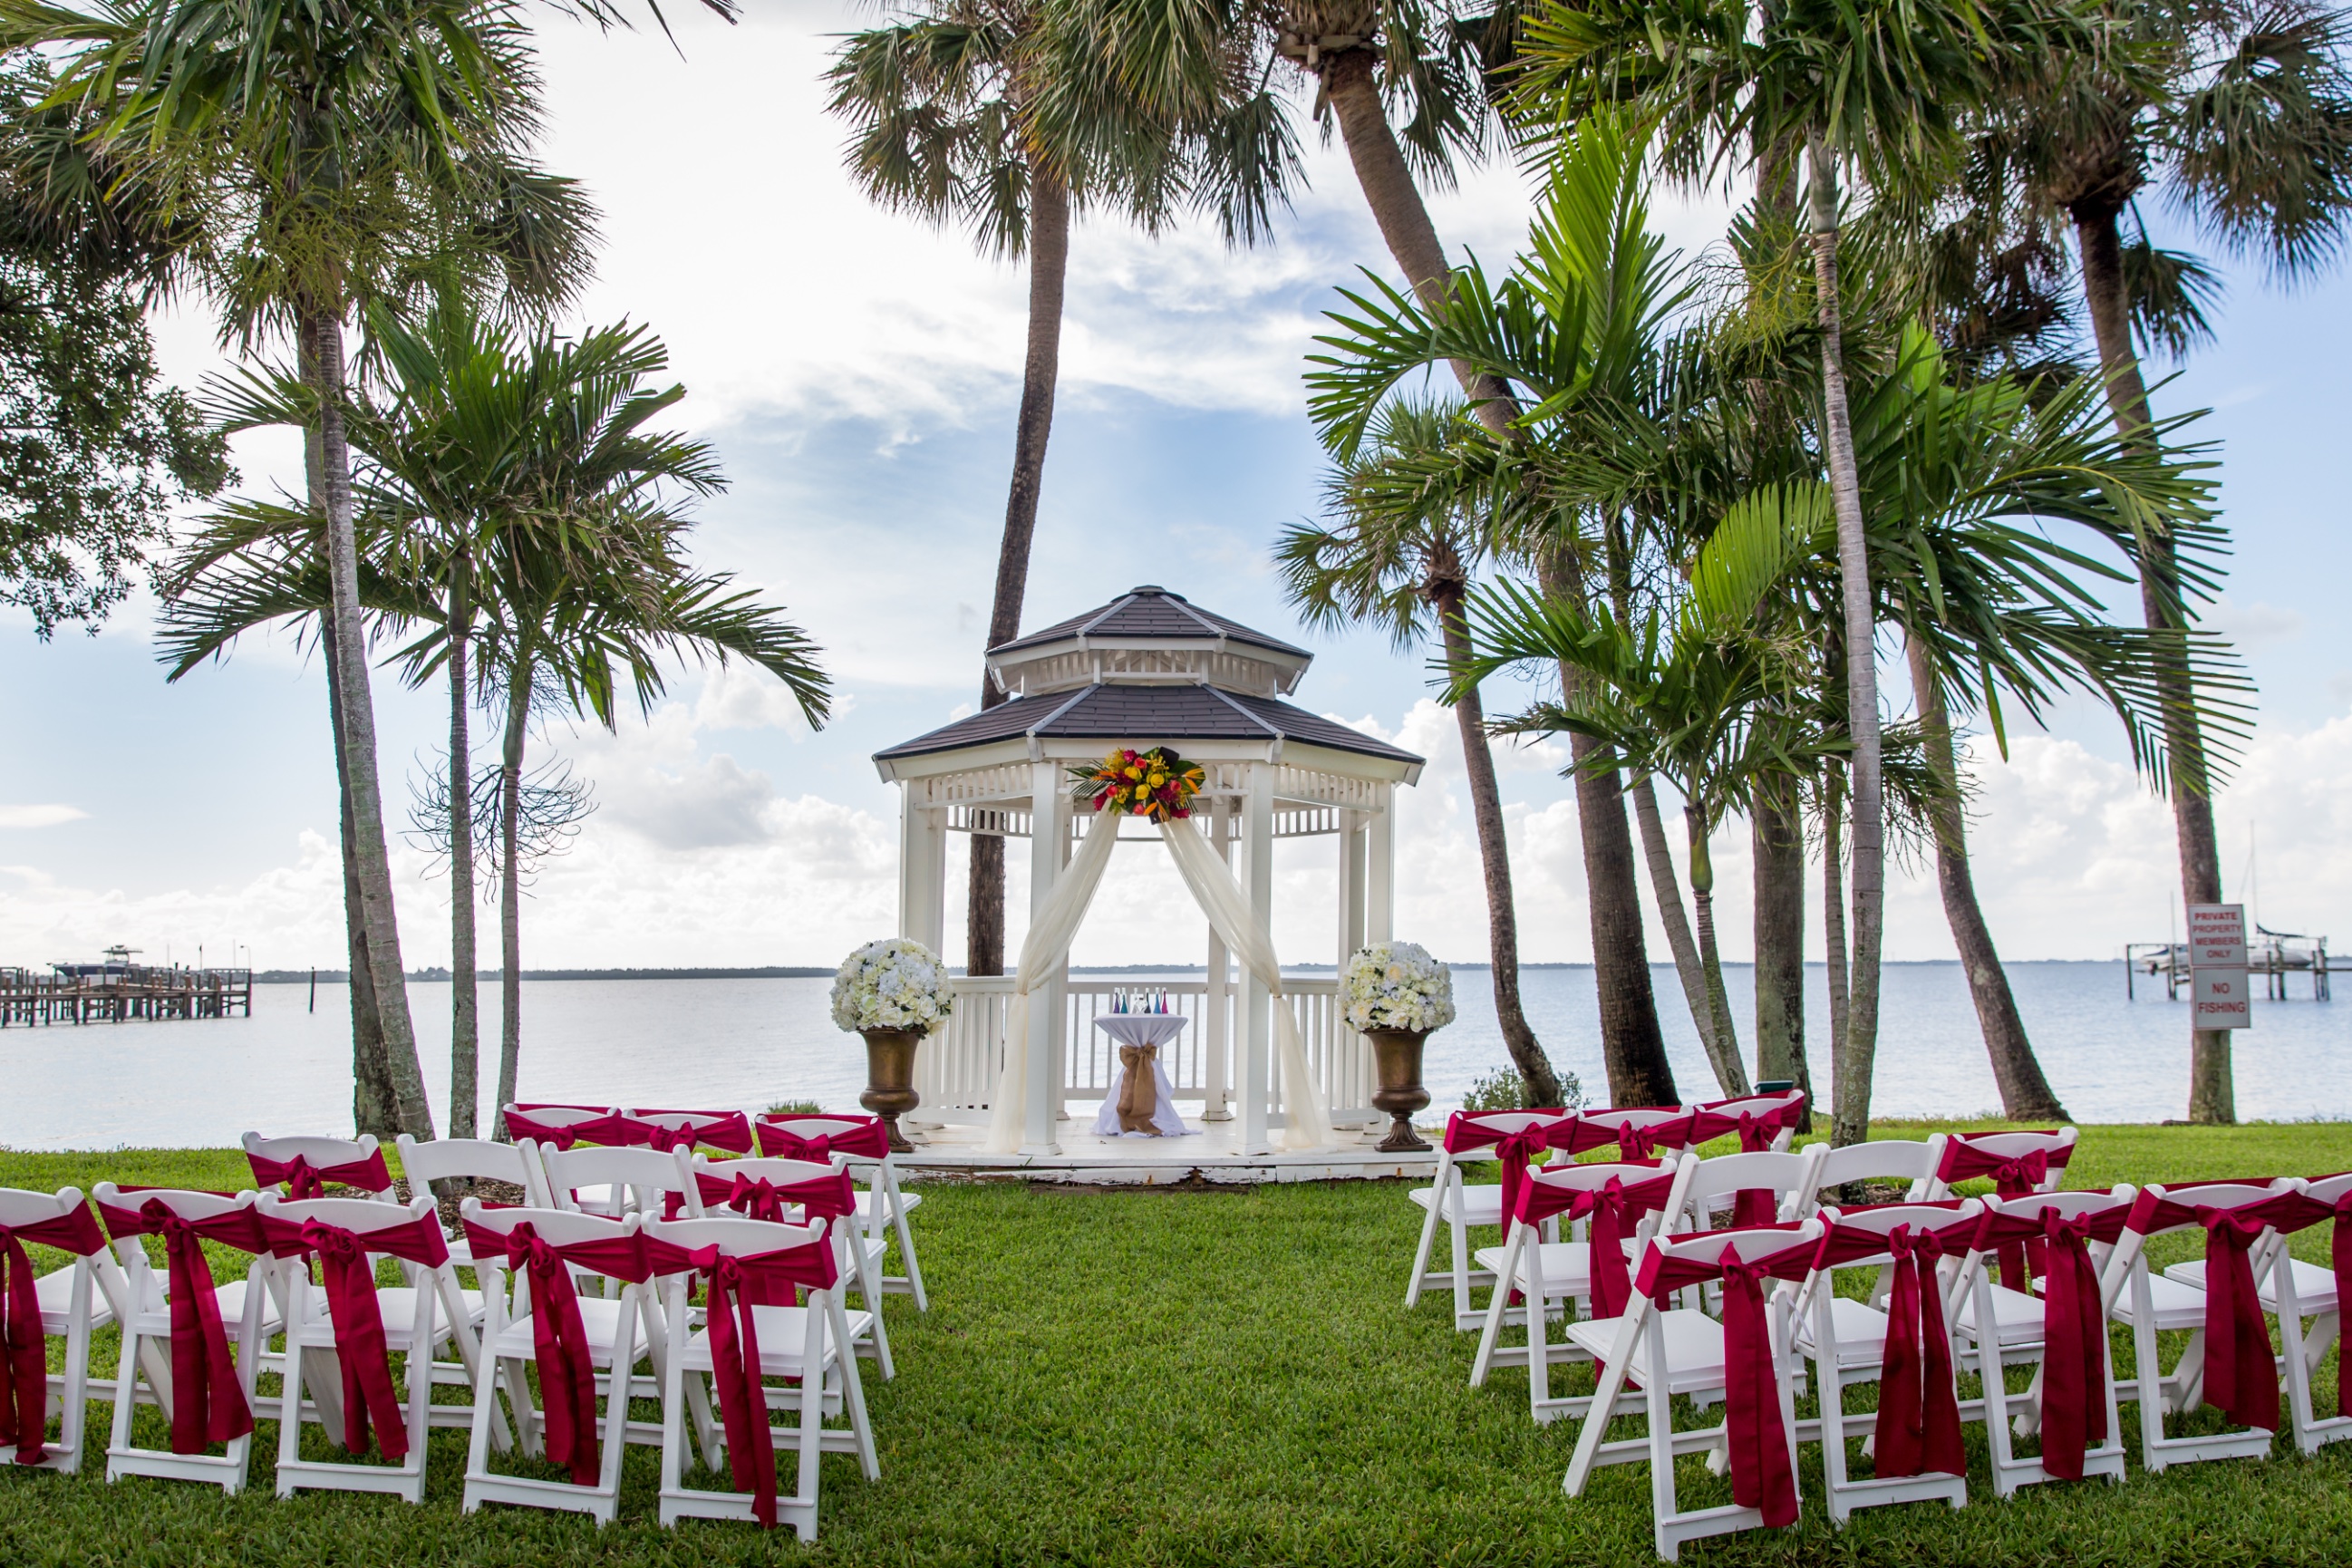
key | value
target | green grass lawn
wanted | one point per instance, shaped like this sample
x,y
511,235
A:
x,y
1211,1377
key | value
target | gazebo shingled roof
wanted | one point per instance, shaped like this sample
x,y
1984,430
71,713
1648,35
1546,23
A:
x,y
1111,713
1151,612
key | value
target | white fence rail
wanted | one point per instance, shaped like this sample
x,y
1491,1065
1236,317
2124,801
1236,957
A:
x,y
956,1069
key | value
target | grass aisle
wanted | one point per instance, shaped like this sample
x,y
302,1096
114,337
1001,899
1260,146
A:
x,y
1221,1377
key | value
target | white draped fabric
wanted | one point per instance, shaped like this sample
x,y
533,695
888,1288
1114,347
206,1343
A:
x,y
1228,908
1042,952
1221,898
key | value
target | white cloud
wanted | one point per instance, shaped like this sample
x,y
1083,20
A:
x,y
2255,625
39,816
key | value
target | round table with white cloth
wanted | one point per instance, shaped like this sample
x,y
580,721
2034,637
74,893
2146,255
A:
x,y
1140,1037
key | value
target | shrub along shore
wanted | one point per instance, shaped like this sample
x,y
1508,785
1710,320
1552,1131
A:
x,y
1212,1376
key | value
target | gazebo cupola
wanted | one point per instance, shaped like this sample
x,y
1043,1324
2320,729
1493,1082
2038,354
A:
x,y
1150,669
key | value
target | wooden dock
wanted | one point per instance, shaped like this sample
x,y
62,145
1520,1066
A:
x,y
120,993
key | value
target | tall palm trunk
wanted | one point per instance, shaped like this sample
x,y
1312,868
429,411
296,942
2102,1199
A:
x,y
372,860
511,881
1702,882
2213,1097
1494,856
1666,885
2025,1093
465,1003
372,1105
1049,262
1777,836
1833,909
1855,1049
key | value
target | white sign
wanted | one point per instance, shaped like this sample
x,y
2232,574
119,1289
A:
x,y
2219,995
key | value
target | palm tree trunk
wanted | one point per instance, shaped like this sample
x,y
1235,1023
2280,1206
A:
x,y
1777,836
1494,856
511,882
1702,880
371,1098
2212,1097
1855,1049
1666,884
1834,907
1049,261
373,861
2025,1093
465,1003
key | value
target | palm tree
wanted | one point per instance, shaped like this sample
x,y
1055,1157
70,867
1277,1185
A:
x,y
2237,114
1402,555
1874,88
1010,117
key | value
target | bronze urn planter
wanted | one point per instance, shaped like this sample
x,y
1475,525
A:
x,y
1396,1056
889,1090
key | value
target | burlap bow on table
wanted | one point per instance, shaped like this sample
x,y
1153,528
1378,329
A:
x,y
1138,1089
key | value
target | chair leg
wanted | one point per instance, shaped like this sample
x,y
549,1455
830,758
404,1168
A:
x,y
1428,1231
290,1399
1539,1329
852,1390
905,1243
1665,1506
1597,1415
1497,1304
1461,1234
2147,1370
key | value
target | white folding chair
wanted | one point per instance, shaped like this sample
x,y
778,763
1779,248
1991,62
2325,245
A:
x,y
536,1317
561,1126
805,1342
66,1304
1471,1137
2017,1163
2239,1373
1851,1342
589,1179
729,1130
1620,1205
2082,1433
348,1234
2308,1302
862,1144
1782,1181
208,1391
1913,1161
305,1166
470,1160
799,1192
1675,1351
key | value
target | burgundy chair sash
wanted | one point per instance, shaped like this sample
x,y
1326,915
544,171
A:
x,y
1637,1145
1514,1151
1612,1208
612,1129
567,1377
303,1180
735,1345
2339,1259
348,1274
1919,1425
207,1403
1762,1474
729,1130
2240,1375
2073,1327
2013,1176
869,1139
24,1349
1757,1130
830,1196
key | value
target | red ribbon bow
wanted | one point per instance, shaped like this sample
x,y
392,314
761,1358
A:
x,y
2013,1176
1515,1149
1919,1425
303,1180
1639,1145
567,1377
733,1326
1611,1208
1762,1474
612,1129
348,1274
867,1141
24,1349
2073,1327
207,1401
1757,1130
830,1195
2240,1375
727,1130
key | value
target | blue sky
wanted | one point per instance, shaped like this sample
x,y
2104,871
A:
x,y
857,372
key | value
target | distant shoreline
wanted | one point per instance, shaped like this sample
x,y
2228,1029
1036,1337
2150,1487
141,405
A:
x,y
795,972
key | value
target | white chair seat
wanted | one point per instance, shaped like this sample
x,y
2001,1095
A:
x,y
1567,1267
600,1318
2015,1314
2314,1286
398,1305
2178,1306
56,1292
1480,1204
783,1331
1861,1332
907,1202
1694,1347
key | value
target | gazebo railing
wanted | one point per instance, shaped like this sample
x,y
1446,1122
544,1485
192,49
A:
x,y
956,1070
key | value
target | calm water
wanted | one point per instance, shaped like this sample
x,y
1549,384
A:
x,y
751,1042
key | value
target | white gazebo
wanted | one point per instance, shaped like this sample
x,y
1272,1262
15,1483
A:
x,y
1147,670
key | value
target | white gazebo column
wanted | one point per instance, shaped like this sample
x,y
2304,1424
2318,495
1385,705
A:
x,y
1216,1004
1049,831
1352,884
1257,1025
1380,869
922,871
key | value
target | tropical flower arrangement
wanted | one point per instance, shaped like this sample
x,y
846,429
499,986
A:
x,y
1156,784
1396,985
892,985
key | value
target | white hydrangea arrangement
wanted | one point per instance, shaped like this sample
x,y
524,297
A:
x,y
892,985
1396,985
